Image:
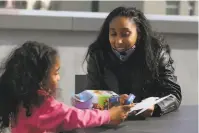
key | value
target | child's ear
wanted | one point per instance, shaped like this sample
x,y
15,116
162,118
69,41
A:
x,y
42,85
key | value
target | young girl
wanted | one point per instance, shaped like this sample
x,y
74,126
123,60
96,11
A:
x,y
27,84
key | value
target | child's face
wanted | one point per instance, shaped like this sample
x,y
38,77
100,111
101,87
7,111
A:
x,y
54,76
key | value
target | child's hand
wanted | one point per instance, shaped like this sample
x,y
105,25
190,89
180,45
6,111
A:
x,y
123,98
97,106
119,113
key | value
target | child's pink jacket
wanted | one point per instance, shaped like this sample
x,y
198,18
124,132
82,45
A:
x,y
54,116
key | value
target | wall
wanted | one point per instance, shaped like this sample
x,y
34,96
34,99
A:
x,y
107,6
196,8
184,6
72,35
104,6
150,7
74,5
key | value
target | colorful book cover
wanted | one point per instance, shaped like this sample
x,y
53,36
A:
x,y
99,99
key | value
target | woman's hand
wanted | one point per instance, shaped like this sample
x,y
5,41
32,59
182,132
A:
x,y
148,112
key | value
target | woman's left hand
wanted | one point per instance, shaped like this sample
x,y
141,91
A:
x,y
148,112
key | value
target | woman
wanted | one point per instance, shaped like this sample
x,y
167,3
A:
x,y
128,57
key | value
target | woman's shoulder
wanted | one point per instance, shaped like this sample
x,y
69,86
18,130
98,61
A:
x,y
98,55
162,48
96,52
160,44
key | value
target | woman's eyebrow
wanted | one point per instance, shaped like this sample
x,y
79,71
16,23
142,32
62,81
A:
x,y
112,28
124,28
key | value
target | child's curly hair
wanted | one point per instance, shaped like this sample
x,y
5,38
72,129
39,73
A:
x,y
23,74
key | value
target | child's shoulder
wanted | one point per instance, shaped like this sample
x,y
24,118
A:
x,y
50,102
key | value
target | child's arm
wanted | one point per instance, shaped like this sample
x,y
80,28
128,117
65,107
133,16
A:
x,y
57,115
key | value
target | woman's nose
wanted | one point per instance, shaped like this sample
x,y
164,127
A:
x,y
118,41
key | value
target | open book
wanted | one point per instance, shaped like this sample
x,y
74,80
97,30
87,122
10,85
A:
x,y
147,103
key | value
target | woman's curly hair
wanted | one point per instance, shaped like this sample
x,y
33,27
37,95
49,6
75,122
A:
x,y
22,75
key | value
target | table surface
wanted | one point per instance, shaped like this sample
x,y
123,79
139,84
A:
x,y
184,120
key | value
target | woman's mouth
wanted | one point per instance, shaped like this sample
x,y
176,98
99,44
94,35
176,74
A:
x,y
120,49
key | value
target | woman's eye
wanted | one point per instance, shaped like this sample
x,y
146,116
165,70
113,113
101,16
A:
x,y
113,34
126,34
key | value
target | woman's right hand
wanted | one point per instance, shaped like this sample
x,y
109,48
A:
x,y
119,113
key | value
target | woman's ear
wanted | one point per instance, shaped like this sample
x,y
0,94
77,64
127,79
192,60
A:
x,y
138,36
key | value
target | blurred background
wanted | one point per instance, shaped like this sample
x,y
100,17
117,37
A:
x,y
71,26
189,8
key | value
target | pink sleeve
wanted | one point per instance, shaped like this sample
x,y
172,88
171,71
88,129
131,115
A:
x,y
56,114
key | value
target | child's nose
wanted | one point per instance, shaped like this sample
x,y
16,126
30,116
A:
x,y
58,78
